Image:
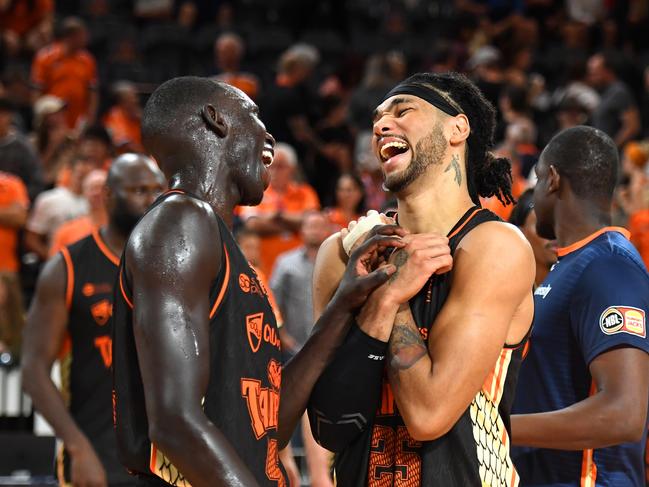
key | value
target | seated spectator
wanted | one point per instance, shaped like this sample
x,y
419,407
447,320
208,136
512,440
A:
x,y
14,204
279,216
17,156
617,113
56,206
229,50
67,70
69,232
25,25
333,148
350,201
123,119
371,172
94,145
52,137
12,315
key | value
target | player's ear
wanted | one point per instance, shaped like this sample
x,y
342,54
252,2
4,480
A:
x,y
554,179
214,120
460,130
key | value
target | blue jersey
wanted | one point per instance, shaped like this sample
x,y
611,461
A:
x,y
594,299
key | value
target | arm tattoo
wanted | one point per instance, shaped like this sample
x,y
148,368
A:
x,y
456,166
400,258
406,347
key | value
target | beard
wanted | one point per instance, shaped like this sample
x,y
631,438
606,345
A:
x,y
428,151
124,218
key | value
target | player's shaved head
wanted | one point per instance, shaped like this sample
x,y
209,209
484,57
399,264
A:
x,y
588,159
123,167
174,121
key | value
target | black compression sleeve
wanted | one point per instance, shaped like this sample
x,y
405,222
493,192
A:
x,y
346,396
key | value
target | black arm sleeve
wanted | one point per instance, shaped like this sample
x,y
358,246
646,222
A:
x,y
346,396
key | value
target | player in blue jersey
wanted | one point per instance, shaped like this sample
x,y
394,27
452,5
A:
x,y
581,404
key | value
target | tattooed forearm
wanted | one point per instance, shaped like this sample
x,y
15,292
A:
x,y
406,347
400,258
455,164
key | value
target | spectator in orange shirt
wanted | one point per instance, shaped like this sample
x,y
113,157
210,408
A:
x,y
278,218
14,204
25,24
228,52
67,70
123,119
73,230
634,196
350,201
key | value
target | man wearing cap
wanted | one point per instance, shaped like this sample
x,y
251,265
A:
x,y
17,156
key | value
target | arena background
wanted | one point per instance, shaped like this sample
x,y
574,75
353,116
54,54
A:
x,y
317,69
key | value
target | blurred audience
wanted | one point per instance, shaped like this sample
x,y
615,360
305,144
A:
x,y
123,119
350,201
279,217
14,204
12,315
229,50
67,70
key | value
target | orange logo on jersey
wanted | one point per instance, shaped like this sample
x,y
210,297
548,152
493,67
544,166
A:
x,y
90,289
263,402
251,285
101,311
244,283
257,331
254,325
275,373
105,346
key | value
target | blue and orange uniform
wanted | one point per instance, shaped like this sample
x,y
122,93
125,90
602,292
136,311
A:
x,y
596,298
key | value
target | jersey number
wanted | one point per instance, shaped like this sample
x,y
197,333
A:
x,y
394,460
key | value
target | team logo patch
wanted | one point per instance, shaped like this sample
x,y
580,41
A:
x,y
275,373
623,319
89,289
254,326
244,283
101,311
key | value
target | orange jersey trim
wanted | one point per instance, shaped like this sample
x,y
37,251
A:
x,y
104,248
224,286
563,251
457,230
69,287
588,467
123,291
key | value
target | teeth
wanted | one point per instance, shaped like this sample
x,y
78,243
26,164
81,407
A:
x,y
267,156
397,144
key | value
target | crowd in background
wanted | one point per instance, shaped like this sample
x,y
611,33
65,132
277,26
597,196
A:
x,y
76,73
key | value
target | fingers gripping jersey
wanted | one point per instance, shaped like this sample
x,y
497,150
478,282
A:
x,y
242,398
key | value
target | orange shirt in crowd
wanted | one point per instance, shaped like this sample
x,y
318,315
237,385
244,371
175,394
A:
x,y
338,218
70,232
21,17
639,228
12,192
244,81
71,77
123,128
297,199
518,186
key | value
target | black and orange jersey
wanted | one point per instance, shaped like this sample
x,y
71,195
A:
x,y
476,449
86,358
243,392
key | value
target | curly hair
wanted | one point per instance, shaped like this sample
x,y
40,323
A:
x,y
487,175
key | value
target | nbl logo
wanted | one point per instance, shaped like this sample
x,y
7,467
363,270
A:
x,y
612,321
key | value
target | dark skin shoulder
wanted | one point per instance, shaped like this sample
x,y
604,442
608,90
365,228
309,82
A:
x,y
172,258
